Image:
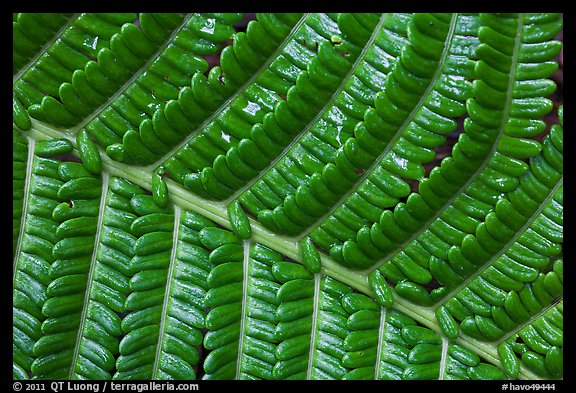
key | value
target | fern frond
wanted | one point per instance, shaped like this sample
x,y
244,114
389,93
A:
x,y
439,81
527,246
455,216
300,187
277,196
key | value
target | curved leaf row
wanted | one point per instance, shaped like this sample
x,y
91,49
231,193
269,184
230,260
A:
x,y
420,212
83,37
311,325
90,85
227,152
204,105
31,274
220,107
262,145
30,32
168,288
295,192
435,99
58,350
178,354
158,90
295,315
145,305
176,43
259,343
330,332
107,286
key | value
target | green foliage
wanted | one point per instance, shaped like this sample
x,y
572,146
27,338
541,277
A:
x,y
287,196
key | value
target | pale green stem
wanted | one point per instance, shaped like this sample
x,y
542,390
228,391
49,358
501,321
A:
x,y
287,246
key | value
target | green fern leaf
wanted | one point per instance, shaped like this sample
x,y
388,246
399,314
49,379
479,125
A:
x,y
304,196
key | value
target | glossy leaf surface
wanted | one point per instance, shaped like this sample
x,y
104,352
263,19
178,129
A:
x,y
365,196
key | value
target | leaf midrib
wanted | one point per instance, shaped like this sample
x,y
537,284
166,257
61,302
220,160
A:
x,y
243,313
168,291
381,341
288,247
314,325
